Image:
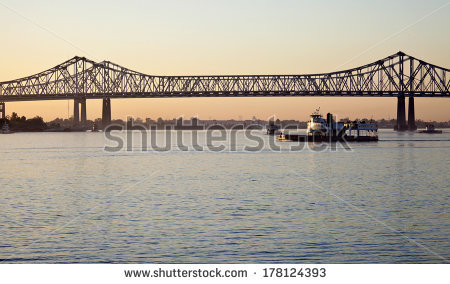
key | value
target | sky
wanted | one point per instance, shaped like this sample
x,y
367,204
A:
x,y
224,38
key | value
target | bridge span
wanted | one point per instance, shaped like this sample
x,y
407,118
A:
x,y
399,75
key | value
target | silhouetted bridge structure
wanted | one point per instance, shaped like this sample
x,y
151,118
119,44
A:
x,y
79,78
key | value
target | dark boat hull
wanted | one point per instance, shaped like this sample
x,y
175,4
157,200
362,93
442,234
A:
x,y
431,131
346,138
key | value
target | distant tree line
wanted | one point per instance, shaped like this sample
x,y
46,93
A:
x,y
21,123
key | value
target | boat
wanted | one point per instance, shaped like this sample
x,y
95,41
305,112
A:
x,y
328,130
272,128
429,128
94,128
5,129
282,137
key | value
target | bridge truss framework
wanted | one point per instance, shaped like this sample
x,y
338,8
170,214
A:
x,y
79,78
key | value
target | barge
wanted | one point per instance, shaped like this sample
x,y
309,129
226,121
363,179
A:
x,y
321,130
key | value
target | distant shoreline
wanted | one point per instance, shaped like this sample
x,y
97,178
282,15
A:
x,y
19,123
68,130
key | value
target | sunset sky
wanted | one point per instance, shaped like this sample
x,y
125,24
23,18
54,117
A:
x,y
224,37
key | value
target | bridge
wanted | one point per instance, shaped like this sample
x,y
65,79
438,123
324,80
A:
x,y
399,75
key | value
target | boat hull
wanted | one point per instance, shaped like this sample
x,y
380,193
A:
x,y
310,138
431,131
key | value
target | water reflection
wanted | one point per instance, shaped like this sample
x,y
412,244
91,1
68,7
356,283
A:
x,y
225,207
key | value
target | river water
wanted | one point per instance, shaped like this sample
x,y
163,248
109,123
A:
x,y
64,199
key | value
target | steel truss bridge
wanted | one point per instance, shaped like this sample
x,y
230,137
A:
x,y
79,78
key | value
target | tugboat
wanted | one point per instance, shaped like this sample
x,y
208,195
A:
x,y
272,128
429,128
94,128
321,130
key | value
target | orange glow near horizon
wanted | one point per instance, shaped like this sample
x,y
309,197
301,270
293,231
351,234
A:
x,y
297,108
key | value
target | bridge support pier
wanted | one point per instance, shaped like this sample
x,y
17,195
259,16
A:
x,y
76,113
83,111
2,111
106,112
401,115
411,114
77,103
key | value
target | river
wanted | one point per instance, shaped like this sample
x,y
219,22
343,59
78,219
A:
x,y
65,199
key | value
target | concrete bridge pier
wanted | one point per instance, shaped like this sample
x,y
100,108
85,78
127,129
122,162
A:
x,y
2,111
401,114
77,103
76,113
83,111
411,114
106,112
